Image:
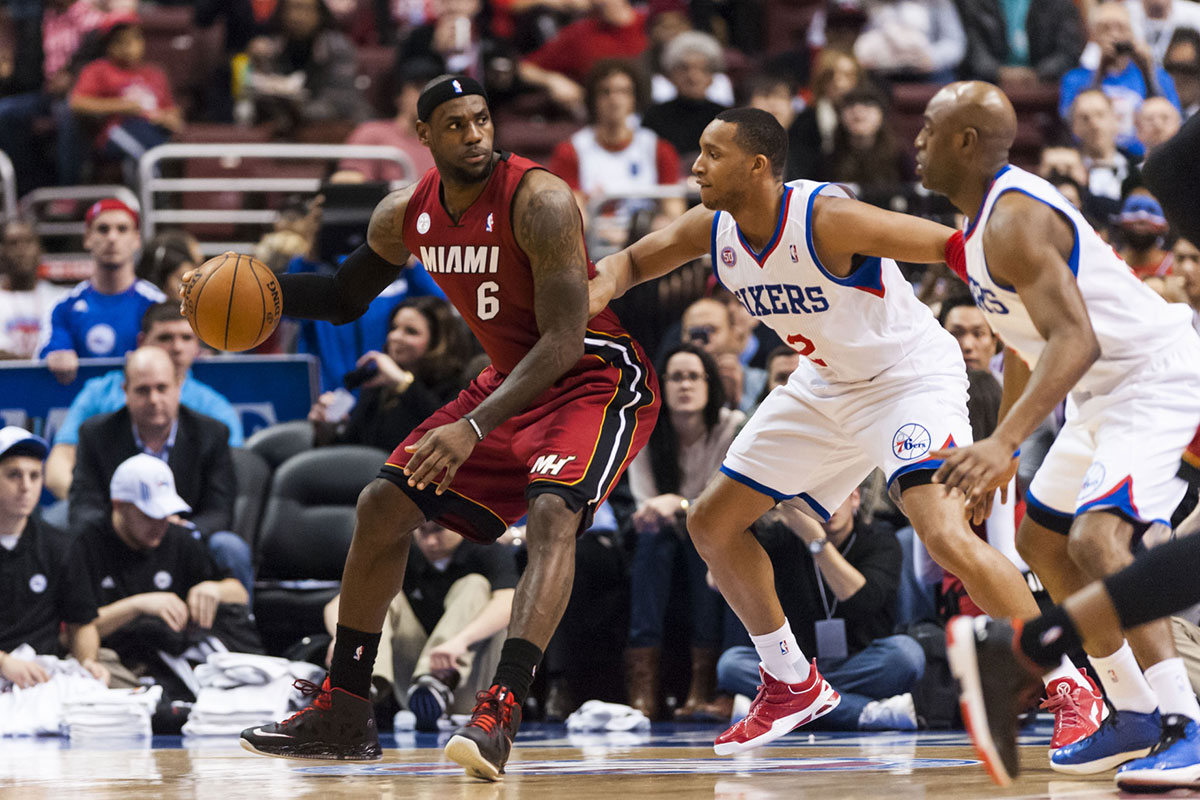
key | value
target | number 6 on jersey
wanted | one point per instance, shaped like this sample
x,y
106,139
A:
x,y
487,305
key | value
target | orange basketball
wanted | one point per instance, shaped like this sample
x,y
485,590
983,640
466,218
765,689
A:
x,y
233,302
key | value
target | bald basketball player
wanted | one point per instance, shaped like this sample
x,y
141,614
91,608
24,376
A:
x,y
1078,323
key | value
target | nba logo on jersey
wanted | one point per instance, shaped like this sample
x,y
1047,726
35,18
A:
x,y
488,227
728,257
457,87
795,254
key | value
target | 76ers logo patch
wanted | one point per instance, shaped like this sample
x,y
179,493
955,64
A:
x,y
910,442
728,256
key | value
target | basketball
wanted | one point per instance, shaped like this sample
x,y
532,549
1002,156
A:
x,y
233,302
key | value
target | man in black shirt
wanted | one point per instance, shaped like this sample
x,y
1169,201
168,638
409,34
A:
x,y
837,582
35,595
441,630
151,579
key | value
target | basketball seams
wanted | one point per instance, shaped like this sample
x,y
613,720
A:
x,y
196,291
232,294
262,296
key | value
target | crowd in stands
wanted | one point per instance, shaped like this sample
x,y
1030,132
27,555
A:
x,y
135,544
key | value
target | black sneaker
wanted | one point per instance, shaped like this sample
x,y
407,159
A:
x,y
994,687
428,699
338,725
482,746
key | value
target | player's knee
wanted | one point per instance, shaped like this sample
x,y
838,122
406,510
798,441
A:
x,y
700,524
950,546
551,521
383,507
1094,550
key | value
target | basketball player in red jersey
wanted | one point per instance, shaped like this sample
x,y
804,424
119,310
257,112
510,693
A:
x,y
546,429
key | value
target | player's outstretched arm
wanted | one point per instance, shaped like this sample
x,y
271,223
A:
x,y
845,228
344,296
652,256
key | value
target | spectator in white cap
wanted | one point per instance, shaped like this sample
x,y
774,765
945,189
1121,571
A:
x,y
36,595
140,565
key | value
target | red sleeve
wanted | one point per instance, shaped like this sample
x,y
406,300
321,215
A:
x,y
956,257
91,82
561,53
564,163
161,85
668,162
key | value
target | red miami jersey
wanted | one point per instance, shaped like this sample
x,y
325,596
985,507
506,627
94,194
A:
x,y
481,268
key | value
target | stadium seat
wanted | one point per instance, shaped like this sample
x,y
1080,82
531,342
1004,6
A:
x,y
305,536
253,475
280,442
374,80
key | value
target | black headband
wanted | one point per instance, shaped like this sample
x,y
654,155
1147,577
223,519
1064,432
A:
x,y
456,86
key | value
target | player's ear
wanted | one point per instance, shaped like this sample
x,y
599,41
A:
x,y
762,164
423,132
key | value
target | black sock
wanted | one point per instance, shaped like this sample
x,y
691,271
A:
x,y
1046,639
518,662
353,660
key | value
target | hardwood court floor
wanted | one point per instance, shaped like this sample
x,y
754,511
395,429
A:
x,y
673,761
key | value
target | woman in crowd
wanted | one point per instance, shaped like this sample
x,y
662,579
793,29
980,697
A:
x,y
693,432
419,369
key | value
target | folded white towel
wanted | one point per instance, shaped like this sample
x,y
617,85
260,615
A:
x,y
595,715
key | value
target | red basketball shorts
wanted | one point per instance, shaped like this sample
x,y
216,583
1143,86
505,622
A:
x,y
574,440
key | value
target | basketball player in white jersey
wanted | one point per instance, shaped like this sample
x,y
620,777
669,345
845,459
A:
x,y
1077,322
882,385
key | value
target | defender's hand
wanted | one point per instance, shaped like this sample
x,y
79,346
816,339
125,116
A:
x,y
978,470
442,449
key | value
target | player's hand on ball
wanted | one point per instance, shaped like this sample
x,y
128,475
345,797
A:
x,y
441,450
978,470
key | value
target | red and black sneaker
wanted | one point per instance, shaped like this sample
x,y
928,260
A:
x,y
338,725
481,747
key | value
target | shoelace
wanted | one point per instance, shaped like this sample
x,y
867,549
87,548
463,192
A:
x,y
1065,708
489,711
323,702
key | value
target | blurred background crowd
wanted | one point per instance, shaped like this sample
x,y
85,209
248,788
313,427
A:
x,y
101,221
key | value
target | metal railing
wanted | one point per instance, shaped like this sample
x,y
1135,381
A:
x,y
231,155
8,185
32,202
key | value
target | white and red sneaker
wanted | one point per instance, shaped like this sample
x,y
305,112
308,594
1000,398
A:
x,y
777,709
1078,709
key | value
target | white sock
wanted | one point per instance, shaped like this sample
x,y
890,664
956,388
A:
x,y
1064,670
1123,681
1171,686
781,655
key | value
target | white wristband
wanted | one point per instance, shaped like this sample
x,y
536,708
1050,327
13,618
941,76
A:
x,y
475,426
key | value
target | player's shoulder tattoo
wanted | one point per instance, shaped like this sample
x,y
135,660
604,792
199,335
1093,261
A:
x,y
546,219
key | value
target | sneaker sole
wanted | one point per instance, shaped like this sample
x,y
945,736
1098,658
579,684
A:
x,y
1099,765
827,701
1148,781
960,650
303,757
465,753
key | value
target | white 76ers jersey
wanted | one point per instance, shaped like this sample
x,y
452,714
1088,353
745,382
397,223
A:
x,y
1131,322
851,328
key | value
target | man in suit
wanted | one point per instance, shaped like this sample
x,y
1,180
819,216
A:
x,y
194,446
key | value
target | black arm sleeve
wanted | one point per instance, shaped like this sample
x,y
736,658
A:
x,y
1172,173
342,297
1161,581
